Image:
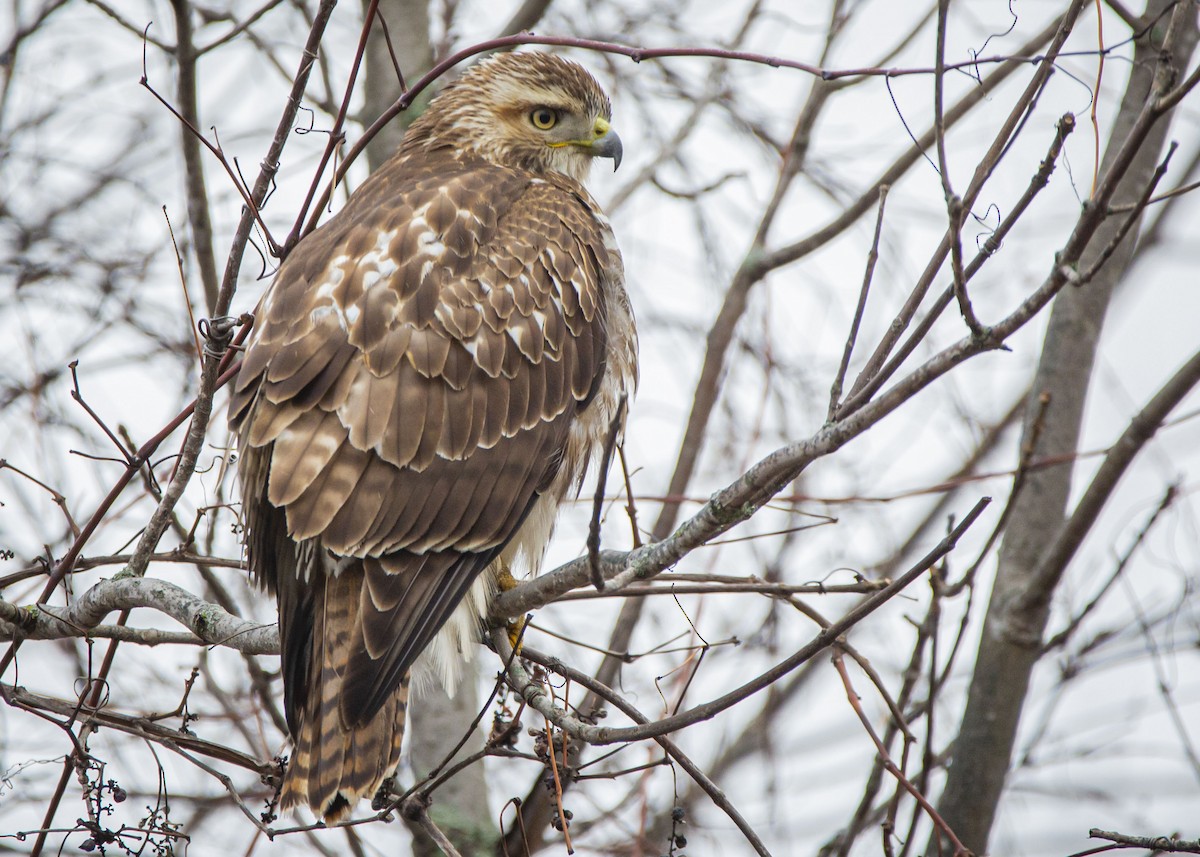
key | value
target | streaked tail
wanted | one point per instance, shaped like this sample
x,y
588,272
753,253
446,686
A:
x,y
334,765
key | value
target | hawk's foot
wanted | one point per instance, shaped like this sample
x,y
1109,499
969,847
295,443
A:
x,y
504,582
516,630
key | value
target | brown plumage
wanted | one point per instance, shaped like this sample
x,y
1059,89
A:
x,y
429,374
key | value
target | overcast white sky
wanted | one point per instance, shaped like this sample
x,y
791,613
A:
x,y
1109,756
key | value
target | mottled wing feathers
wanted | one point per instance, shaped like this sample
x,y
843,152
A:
x,y
411,382
273,557
405,600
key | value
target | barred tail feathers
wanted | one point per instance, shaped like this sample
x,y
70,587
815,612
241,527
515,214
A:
x,y
333,765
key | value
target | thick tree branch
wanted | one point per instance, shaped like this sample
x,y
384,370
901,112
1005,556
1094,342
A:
x,y
142,727
210,624
1169,844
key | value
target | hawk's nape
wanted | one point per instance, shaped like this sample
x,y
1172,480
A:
x,y
428,375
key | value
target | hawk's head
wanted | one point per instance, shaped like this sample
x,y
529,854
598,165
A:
x,y
532,110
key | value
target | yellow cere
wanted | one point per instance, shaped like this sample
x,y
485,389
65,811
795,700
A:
x,y
599,129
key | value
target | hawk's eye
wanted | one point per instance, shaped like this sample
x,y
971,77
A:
x,y
543,118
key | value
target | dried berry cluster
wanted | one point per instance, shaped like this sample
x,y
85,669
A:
x,y
548,745
676,839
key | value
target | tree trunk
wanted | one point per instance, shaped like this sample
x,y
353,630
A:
x,y
407,27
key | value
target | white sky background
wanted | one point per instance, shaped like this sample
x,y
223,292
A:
x,y
1109,756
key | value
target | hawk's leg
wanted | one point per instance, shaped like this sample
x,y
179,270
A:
x,y
516,629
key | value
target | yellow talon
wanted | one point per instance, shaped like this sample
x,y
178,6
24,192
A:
x,y
504,582
515,631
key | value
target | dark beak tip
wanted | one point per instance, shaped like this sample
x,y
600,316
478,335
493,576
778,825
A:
x,y
609,146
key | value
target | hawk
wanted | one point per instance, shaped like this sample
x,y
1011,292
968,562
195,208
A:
x,y
428,376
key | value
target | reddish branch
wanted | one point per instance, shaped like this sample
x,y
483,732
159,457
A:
x,y
886,759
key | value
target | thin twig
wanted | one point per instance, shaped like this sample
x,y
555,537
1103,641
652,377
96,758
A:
x,y
835,391
1060,639
606,693
1133,217
1061,29
593,536
940,824
187,300
1066,124
1170,844
336,138
1096,95
611,735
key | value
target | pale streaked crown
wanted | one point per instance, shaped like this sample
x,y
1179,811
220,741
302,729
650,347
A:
x,y
489,112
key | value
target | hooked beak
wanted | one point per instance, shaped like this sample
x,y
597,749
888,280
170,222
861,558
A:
x,y
608,146
606,143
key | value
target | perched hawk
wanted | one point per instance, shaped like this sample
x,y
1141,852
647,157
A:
x,y
428,376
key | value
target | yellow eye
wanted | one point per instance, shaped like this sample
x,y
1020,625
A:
x,y
543,118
